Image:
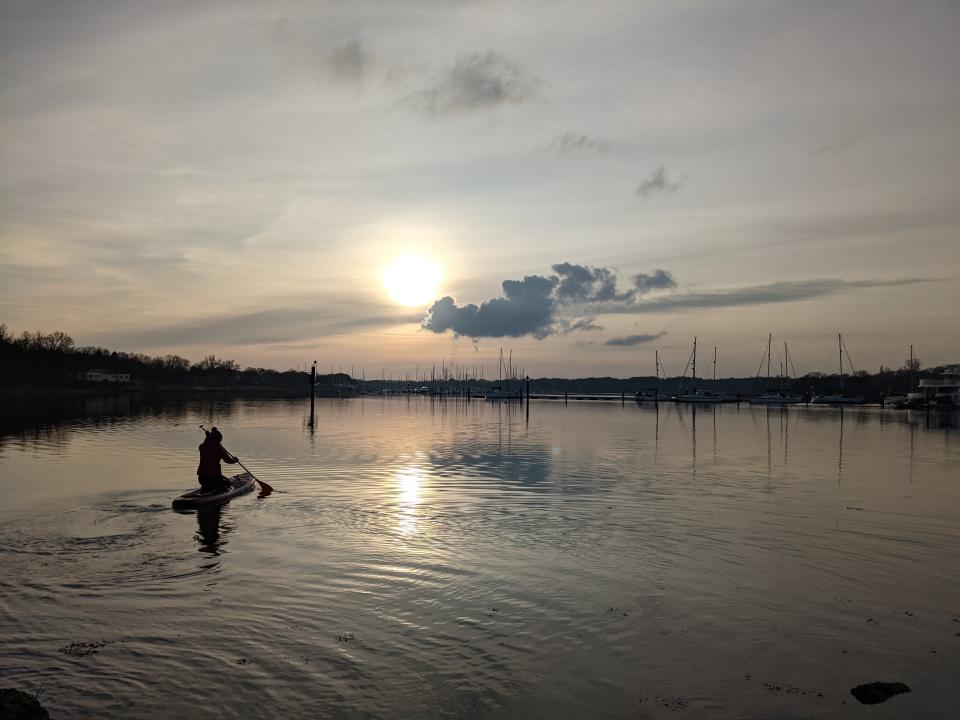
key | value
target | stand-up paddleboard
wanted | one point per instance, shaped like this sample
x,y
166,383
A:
x,y
239,484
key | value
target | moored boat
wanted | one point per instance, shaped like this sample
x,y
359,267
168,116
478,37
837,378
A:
x,y
776,398
839,398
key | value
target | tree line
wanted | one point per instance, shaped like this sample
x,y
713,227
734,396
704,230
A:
x,y
52,360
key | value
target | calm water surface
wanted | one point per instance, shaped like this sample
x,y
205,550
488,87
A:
x,y
463,560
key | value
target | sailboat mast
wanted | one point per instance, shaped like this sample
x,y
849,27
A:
x,y
911,368
784,365
694,358
769,343
840,346
714,363
656,364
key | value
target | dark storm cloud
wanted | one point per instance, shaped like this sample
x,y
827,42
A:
x,y
526,308
657,280
658,182
476,82
631,340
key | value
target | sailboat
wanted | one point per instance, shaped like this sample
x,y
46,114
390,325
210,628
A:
x,y
780,397
839,398
698,396
652,394
499,391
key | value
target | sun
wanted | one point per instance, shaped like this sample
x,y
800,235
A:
x,y
412,280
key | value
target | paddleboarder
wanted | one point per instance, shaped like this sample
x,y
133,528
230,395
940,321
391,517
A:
x,y
211,453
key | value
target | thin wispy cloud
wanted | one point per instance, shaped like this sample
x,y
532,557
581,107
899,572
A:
x,y
837,146
349,61
280,325
658,182
631,340
479,81
751,295
574,141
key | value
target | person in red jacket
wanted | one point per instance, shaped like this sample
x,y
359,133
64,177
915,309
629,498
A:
x,y
211,453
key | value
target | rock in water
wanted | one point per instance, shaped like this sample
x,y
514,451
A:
x,y
17,705
878,692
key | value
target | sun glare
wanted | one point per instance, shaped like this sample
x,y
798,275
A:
x,y
412,280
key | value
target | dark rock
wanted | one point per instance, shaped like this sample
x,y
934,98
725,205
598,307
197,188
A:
x,y
878,692
17,705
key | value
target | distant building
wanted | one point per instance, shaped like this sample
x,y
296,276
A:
x,y
104,376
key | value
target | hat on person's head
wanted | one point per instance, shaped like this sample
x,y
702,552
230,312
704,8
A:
x,y
215,435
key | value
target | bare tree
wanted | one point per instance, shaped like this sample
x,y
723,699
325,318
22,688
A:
x,y
912,364
59,341
175,362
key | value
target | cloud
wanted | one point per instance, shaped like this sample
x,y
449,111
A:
x,y
771,293
658,182
267,327
573,141
631,340
657,280
476,82
836,147
526,308
571,299
581,325
581,283
349,62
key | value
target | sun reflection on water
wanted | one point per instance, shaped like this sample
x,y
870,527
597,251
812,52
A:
x,y
410,480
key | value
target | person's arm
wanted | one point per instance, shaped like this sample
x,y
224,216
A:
x,y
227,457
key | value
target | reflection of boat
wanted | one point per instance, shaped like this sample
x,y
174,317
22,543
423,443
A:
x,y
701,396
499,393
239,484
839,398
780,397
776,398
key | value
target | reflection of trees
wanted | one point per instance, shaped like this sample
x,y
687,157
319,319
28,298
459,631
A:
x,y
47,419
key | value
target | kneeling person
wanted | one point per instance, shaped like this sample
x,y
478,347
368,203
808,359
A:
x,y
208,471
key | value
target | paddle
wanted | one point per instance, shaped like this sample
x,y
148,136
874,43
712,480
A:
x,y
265,489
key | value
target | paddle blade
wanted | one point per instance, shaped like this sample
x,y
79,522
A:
x,y
265,489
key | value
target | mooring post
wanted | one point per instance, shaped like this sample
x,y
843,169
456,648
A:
x,y
313,389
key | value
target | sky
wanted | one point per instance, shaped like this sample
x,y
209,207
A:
x,y
377,185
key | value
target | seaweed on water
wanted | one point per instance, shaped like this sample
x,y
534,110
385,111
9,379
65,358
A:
x,y
84,649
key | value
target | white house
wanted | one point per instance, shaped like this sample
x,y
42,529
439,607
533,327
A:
x,y
102,376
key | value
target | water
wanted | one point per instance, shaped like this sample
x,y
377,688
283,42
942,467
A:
x,y
463,560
